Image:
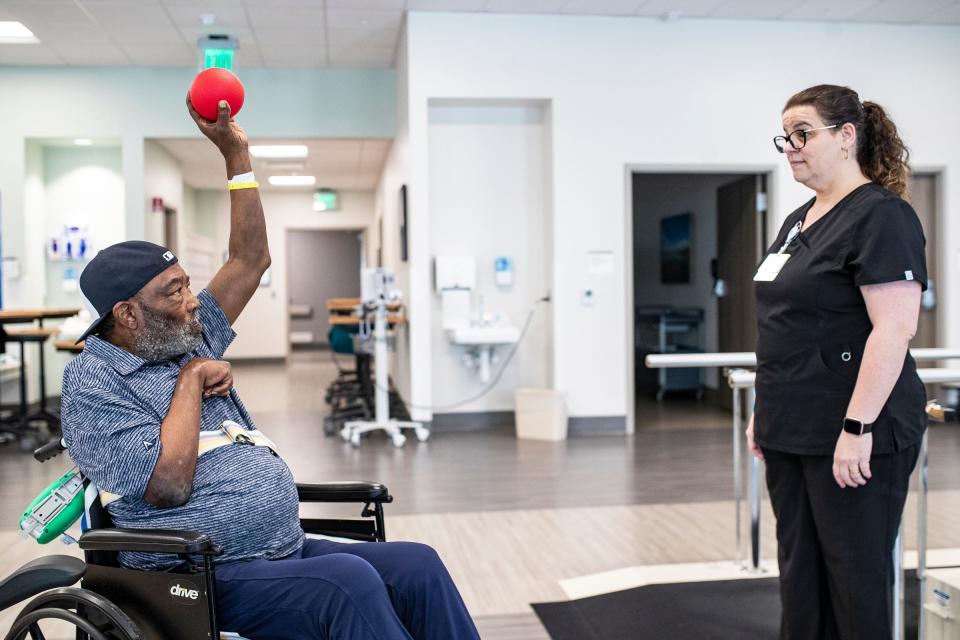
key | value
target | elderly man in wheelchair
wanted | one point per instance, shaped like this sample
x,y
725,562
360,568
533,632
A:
x,y
208,531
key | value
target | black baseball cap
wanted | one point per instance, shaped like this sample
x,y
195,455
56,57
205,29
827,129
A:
x,y
117,273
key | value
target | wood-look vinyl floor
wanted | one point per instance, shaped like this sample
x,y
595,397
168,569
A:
x,y
513,518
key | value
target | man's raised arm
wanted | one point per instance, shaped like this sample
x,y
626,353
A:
x,y
248,258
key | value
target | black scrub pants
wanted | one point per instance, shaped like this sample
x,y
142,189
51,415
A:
x,y
836,545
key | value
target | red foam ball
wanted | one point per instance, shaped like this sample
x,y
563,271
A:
x,y
213,85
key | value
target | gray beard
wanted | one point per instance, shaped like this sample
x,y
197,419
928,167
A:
x,y
163,338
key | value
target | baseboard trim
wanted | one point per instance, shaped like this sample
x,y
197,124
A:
x,y
261,360
472,421
592,425
479,420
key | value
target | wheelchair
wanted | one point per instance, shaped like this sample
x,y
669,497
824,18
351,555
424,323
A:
x,y
116,603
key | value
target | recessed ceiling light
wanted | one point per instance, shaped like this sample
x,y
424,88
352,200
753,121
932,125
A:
x,y
208,19
292,181
279,151
15,33
294,166
82,142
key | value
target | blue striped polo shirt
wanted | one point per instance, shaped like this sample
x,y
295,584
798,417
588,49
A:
x,y
244,497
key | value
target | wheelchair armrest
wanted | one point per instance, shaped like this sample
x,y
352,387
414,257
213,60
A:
x,y
147,540
352,491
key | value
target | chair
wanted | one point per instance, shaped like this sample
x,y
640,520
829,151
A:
x,y
27,435
116,603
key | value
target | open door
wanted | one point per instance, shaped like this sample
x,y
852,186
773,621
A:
x,y
740,236
923,197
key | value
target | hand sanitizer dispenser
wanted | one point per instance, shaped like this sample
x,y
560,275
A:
x,y
503,272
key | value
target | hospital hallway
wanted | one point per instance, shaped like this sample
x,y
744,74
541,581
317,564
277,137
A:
x,y
522,516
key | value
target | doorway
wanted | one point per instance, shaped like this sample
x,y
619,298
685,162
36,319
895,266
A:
x,y
697,238
320,265
923,189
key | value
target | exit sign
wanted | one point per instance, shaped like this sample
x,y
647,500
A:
x,y
220,58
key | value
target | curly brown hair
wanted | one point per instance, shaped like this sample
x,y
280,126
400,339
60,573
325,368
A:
x,y
881,153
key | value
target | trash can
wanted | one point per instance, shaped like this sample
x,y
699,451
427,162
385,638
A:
x,y
541,414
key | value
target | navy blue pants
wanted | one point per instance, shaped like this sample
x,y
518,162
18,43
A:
x,y
365,591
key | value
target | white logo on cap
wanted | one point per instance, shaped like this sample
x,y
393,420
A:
x,y
168,256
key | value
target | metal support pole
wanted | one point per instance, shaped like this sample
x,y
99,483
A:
x,y
737,473
896,614
380,363
922,535
755,492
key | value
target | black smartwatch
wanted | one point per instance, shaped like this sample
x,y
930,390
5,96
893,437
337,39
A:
x,y
856,427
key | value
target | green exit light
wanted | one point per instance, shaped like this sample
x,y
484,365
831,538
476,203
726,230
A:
x,y
220,58
324,200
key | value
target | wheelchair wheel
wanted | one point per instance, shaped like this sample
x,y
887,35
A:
x,y
93,616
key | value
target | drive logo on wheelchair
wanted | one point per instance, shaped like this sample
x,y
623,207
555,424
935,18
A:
x,y
184,592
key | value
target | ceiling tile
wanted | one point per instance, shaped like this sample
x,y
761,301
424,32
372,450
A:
x,y
350,19
366,58
163,55
753,9
445,5
134,24
264,18
602,7
898,11
391,5
225,12
284,3
306,37
101,54
35,16
12,54
80,33
523,6
686,8
364,38
295,56
828,10
949,15
373,153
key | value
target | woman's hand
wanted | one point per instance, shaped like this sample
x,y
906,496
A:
x,y
754,447
851,459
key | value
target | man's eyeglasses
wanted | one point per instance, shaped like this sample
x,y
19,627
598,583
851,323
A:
x,y
797,139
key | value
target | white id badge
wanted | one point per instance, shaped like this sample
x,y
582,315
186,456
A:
x,y
770,268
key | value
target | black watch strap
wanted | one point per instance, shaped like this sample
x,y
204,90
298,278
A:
x,y
856,427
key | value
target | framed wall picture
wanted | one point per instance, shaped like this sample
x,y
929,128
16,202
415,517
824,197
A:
x,y
675,249
403,223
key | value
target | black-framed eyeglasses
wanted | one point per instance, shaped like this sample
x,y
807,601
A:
x,y
797,139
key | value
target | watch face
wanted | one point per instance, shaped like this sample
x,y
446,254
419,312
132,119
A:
x,y
854,426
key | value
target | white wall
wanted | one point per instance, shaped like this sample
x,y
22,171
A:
x,y
488,199
162,178
687,94
387,206
659,196
66,185
262,329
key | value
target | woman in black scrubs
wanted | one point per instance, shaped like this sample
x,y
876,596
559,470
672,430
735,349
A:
x,y
840,409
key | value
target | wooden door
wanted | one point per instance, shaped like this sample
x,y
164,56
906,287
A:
x,y
739,244
923,197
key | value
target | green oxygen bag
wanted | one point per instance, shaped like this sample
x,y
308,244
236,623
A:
x,y
56,508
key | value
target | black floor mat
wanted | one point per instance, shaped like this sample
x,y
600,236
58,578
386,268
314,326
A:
x,y
684,611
